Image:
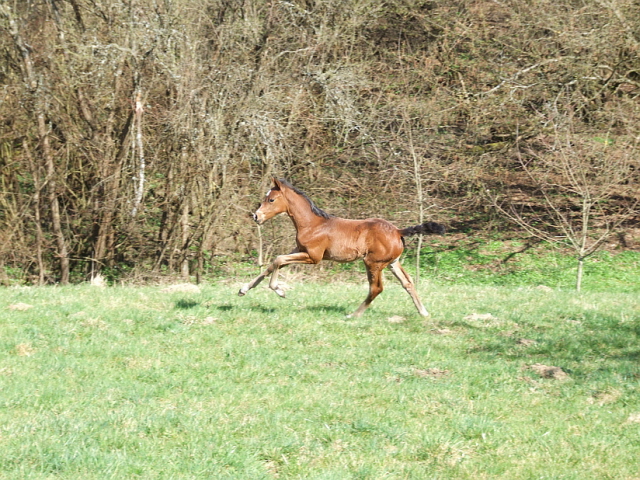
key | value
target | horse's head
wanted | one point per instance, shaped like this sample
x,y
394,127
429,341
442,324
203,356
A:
x,y
273,204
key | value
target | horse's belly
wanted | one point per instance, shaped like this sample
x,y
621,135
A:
x,y
343,254
342,257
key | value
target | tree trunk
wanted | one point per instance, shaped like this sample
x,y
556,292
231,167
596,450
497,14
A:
x,y
111,173
184,223
417,178
36,206
579,273
56,221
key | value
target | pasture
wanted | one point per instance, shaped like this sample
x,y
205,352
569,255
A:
x,y
137,382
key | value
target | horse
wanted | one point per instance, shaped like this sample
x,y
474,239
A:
x,y
320,236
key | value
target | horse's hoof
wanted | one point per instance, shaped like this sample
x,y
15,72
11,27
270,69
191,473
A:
x,y
280,292
243,291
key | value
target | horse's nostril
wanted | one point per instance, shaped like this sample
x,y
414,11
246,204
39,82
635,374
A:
x,y
255,217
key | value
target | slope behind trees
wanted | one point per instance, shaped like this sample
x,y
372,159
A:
x,y
139,134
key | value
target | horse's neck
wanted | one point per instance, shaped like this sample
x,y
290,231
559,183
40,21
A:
x,y
300,212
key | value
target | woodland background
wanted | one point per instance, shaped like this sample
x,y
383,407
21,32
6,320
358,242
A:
x,y
136,136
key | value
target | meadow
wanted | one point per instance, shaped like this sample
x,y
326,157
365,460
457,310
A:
x,y
143,382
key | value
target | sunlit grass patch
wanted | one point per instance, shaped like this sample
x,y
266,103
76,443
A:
x,y
474,261
123,382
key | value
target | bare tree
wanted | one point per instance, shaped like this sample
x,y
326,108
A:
x,y
36,85
180,112
583,192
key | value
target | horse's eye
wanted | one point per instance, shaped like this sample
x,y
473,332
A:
x,y
271,200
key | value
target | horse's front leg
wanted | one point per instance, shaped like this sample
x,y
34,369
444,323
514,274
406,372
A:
x,y
254,283
281,261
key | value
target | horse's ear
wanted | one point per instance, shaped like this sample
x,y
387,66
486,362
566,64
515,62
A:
x,y
276,184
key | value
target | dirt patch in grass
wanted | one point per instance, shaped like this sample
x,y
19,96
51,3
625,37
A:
x,y
605,398
430,373
547,371
24,350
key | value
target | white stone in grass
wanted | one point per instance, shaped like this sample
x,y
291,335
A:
x,y
98,281
480,317
20,307
634,418
181,288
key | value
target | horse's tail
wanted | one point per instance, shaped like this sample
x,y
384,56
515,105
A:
x,y
425,228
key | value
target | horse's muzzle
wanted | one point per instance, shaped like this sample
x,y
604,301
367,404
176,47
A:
x,y
257,219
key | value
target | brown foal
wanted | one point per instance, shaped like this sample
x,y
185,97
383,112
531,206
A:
x,y
321,236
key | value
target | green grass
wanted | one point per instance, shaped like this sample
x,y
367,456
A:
x,y
131,382
514,264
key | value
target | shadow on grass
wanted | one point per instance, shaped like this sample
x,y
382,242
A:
x,y
252,308
611,351
186,304
327,309
224,308
263,309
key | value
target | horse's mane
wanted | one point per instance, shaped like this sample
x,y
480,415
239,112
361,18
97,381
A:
x,y
314,209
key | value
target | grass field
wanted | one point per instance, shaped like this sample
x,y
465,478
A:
x,y
134,382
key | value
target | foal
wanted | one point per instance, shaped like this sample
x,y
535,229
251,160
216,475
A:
x,y
320,236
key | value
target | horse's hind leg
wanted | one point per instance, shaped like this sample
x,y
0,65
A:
x,y
374,274
407,283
